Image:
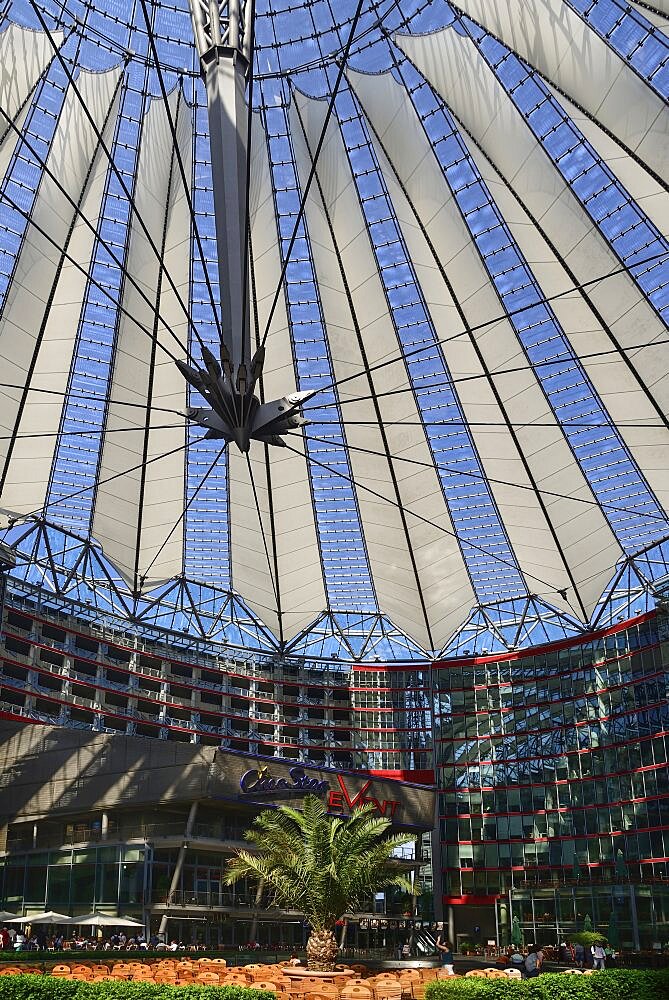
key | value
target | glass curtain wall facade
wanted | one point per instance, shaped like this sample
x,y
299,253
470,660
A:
x,y
554,789
99,877
551,763
61,670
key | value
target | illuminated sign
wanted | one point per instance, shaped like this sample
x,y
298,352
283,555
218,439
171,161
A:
x,y
344,801
258,781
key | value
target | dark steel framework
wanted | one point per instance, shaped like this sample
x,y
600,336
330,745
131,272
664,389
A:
x,y
308,45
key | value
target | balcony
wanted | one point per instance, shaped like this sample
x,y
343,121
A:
x,y
588,877
91,833
49,838
209,899
211,686
220,832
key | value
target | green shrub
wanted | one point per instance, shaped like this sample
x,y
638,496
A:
x,y
586,938
51,988
610,985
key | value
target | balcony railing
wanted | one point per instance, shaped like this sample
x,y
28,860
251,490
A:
x,y
92,834
534,879
210,898
208,831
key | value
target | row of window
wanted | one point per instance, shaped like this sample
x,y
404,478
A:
x,y
635,740
640,638
582,793
581,694
60,879
592,821
622,857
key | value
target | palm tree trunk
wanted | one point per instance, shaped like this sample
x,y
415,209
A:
x,y
322,950
254,923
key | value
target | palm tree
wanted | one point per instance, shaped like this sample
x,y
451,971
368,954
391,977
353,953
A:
x,y
322,865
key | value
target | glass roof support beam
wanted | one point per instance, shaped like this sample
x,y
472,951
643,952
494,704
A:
x,y
493,566
630,234
632,36
219,30
224,38
206,538
86,405
567,388
343,551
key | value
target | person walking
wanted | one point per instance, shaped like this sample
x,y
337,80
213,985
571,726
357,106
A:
x,y
598,955
579,954
446,952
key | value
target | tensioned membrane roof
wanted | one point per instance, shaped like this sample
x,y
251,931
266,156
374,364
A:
x,y
476,293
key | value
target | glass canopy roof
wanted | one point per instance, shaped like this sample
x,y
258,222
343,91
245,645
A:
x,y
469,204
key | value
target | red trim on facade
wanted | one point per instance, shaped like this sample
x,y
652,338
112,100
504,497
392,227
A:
x,y
563,809
561,836
549,647
635,710
416,777
22,718
470,900
533,681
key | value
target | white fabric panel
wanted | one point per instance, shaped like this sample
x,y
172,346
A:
x,y
554,39
10,140
660,21
135,513
618,388
472,91
442,577
24,55
253,567
293,548
45,297
646,192
585,545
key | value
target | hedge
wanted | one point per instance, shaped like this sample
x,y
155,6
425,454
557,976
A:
x,y
28,987
613,984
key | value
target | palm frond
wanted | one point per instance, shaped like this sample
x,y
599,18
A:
x,y
319,864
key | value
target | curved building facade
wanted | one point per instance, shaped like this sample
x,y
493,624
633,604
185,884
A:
x,y
60,669
554,788
147,827
550,763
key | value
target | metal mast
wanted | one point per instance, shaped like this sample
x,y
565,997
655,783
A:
x,y
224,39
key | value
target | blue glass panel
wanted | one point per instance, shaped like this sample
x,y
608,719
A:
x,y
76,458
491,563
632,36
207,531
629,232
613,476
343,553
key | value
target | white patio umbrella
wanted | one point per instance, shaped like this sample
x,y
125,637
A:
x,y
49,917
103,920
5,915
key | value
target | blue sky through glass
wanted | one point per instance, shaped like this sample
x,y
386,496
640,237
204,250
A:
x,y
301,40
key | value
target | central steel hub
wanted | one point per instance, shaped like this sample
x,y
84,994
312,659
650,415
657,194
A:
x,y
236,413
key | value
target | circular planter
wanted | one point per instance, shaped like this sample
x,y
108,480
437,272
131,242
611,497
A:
x,y
299,973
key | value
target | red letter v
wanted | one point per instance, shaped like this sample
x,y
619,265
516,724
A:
x,y
352,802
